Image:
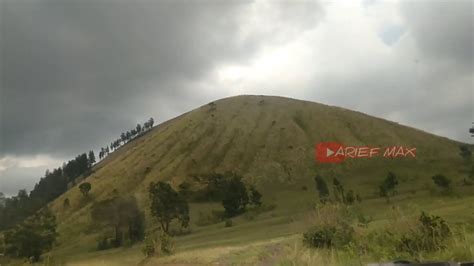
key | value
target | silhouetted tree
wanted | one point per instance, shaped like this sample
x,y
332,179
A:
x,y
52,185
123,137
66,203
85,188
235,196
387,188
167,205
338,190
31,238
322,189
91,158
102,153
123,214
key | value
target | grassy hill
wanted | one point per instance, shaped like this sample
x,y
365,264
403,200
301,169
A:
x,y
270,142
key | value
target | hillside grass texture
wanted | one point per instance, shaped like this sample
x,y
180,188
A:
x,y
270,142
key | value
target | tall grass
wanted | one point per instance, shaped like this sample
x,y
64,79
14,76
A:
x,y
382,243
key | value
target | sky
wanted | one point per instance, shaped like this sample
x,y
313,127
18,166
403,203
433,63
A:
x,y
75,74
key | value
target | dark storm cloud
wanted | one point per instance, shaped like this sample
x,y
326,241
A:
x,y
75,71
74,74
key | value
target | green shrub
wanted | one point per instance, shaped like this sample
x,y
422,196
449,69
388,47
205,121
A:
x,y
350,197
442,181
228,223
319,237
149,248
331,227
410,237
329,236
430,235
167,245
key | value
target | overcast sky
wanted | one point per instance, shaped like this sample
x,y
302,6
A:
x,y
75,74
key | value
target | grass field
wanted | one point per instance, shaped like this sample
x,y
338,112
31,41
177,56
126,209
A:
x,y
270,142
274,237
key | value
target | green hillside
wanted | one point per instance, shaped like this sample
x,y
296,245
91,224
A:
x,y
270,142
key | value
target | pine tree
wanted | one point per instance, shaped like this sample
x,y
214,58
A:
x,y
91,158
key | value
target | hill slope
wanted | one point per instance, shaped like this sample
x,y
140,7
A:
x,y
268,140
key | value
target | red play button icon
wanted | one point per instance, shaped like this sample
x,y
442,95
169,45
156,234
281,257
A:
x,y
327,152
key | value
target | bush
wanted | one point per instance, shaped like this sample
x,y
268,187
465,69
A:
x,y
149,247
167,245
410,237
350,197
329,236
430,234
319,237
442,181
228,223
331,228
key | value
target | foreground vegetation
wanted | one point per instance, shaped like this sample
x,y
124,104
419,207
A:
x,y
303,231
274,238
